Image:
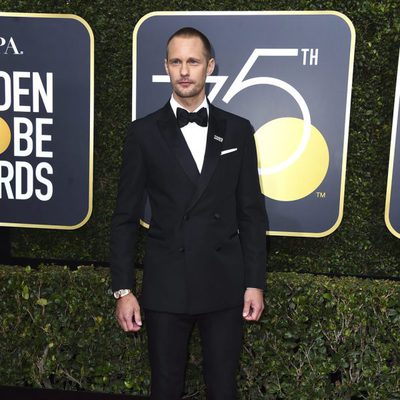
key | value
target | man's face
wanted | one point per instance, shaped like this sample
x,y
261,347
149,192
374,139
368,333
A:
x,y
188,68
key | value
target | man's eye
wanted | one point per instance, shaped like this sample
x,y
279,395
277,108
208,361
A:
x,y
174,62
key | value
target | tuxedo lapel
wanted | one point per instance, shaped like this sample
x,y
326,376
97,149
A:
x,y
215,136
177,143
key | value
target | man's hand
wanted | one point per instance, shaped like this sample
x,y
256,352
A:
x,y
128,313
253,304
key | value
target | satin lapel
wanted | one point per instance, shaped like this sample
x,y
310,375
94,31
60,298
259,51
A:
x,y
177,143
215,136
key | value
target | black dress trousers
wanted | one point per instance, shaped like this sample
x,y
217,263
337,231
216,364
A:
x,y
221,335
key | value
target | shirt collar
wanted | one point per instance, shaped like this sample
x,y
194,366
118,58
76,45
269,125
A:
x,y
174,105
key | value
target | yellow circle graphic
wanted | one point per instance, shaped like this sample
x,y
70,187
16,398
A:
x,y
5,135
278,140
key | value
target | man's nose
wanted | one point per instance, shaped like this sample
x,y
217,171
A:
x,y
184,69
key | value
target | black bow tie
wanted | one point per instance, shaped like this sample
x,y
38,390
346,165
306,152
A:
x,y
184,117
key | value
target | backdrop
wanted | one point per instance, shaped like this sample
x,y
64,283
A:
x,y
361,245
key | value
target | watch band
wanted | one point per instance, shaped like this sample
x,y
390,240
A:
x,y
121,293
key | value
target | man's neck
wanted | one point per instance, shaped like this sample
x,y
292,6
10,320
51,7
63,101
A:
x,y
189,103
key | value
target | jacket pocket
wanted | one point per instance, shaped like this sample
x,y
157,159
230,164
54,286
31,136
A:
x,y
228,241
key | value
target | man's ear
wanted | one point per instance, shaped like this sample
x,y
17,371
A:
x,y
210,66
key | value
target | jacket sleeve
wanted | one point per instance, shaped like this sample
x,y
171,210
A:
x,y
252,217
130,201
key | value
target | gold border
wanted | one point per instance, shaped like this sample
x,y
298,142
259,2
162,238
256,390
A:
x,y
348,98
392,153
91,122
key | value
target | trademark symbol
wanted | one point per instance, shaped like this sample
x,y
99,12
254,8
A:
x,y
321,195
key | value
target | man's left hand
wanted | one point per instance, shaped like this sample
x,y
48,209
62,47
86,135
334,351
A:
x,y
253,304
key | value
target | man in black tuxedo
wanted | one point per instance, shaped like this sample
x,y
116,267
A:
x,y
205,251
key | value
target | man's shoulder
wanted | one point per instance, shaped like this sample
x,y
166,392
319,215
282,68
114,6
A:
x,y
142,129
235,123
220,113
149,118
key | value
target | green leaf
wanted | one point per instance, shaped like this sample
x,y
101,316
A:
x,y
42,302
25,292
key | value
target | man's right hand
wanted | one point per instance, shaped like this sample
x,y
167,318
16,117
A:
x,y
128,313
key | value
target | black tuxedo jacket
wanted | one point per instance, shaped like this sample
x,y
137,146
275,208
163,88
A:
x,y
206,241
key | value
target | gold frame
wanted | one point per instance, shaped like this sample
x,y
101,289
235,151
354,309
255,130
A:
x,y
348,97
392,154
91,123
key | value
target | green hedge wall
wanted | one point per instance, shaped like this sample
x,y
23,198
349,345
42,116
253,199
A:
x,y
361,245
319,338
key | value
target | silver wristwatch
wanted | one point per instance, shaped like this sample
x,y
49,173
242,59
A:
x,y
121,293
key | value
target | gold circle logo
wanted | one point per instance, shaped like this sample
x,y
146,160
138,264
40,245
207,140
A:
x,y
287,174
5,135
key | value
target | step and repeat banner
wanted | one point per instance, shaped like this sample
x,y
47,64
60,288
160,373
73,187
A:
x,y
46,120
290,74
392,209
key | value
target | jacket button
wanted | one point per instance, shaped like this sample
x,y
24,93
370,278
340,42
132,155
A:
x,y
181,249
218,248
217,216
185,217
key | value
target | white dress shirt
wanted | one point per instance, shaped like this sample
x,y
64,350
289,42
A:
x,y
195,135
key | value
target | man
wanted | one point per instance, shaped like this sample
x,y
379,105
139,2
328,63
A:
x,y
205,251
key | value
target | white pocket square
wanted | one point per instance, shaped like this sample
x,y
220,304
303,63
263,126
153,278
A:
x,y
228,151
